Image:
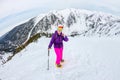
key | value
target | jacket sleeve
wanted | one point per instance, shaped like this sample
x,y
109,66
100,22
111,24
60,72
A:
x,y
51,41
65,38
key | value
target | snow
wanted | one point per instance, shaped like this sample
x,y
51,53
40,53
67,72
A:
x,y
86,58
38,18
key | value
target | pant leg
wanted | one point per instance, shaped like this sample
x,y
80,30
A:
x,y
61,54
58,55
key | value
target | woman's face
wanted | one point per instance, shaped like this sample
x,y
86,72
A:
x,y
59,31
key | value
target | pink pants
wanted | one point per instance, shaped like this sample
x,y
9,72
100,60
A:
x,y
59,54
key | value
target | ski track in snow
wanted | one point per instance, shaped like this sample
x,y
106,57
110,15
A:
x,y
85,59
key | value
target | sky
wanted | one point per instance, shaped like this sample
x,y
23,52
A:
x,y
8,7
12,12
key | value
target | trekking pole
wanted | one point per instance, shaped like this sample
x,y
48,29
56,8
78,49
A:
x,y
48,59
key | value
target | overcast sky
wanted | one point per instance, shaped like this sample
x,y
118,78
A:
x,y
8,7
14,11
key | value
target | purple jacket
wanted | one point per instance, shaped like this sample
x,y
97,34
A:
x,y
57,40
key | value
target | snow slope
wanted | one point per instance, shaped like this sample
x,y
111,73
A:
x,y
85,59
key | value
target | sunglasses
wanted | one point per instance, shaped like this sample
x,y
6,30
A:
x,y
60,29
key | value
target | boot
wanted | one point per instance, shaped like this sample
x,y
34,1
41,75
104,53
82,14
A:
x,y
62,60
58,65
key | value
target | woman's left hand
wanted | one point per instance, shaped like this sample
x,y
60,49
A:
x,y
63,35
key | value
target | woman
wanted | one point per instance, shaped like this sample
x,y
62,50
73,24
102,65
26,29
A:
x,y
57,40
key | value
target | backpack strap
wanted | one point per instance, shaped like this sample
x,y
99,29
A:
x,y
55,35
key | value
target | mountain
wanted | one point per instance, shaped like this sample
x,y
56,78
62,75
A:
x,y
75,21
86,58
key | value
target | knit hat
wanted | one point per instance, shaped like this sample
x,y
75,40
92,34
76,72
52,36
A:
x,y
60,26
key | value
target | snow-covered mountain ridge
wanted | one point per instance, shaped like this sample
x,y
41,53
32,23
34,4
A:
x,y
75,21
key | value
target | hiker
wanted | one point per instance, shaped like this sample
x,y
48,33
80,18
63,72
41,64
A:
x,y
57,40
